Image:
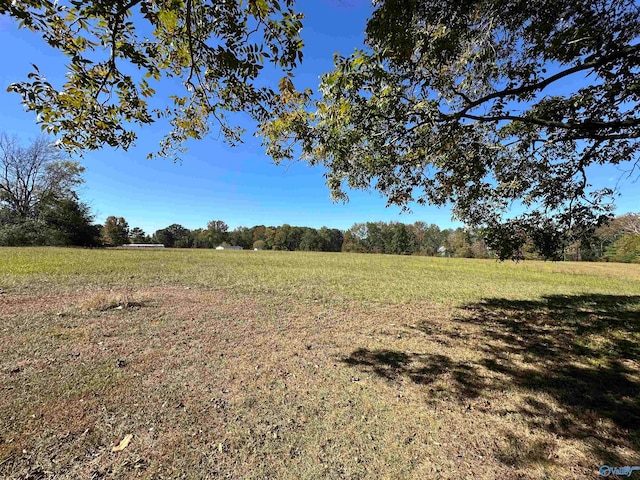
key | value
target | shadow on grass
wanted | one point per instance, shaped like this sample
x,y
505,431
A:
x,y
581,350
421,369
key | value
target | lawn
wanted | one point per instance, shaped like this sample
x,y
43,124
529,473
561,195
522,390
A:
x,y
314,365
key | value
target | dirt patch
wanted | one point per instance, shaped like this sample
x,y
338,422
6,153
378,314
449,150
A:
x,y
11,305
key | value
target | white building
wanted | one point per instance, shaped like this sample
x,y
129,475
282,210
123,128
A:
x,y
228,247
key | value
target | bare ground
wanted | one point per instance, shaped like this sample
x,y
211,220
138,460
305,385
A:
x,y
224,385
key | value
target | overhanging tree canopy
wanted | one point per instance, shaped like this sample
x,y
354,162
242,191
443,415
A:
x,y
483,104
216,48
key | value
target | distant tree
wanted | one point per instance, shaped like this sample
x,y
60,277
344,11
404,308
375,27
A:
x,y
259,244
241,236
628,223
137,235
607,234
200,239
28,232
32,175
59,222
433,239
419,232
70,222
115,231
331,238
350,243
458,244
165,237
625,249
310,241
235,237
373,237
217,232
259,232
479,247
294,237
38,201
269,237
401,241
281,237
181,236
607,241
357,240
590,249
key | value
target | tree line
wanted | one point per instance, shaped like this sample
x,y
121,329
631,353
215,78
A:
x,y
39,205
618,241
284,237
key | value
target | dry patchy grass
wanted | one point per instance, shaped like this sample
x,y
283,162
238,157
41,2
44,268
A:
x,y
227,383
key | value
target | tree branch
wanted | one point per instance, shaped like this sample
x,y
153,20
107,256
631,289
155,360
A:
x,y
587,125
117,18
596,62
192,65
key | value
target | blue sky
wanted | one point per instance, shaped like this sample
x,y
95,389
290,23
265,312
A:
x,y
239,185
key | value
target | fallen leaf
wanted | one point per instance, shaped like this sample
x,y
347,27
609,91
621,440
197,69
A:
x,y
123,444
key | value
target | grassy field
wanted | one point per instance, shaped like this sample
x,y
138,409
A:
x,y
314,365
